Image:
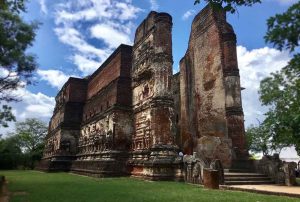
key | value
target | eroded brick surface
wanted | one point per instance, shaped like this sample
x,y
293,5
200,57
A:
x,y
210,87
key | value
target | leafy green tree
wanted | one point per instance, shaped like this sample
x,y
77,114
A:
x,y
229,5
283,29
10,153
281,90
261,139
258,139
24,147
31,134
16,65
6,116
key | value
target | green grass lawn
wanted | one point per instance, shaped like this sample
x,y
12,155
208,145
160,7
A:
x,y
55,187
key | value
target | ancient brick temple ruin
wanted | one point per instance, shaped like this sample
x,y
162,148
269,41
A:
x,y
132,116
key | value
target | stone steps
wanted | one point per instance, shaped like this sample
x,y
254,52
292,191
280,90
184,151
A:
x,y
229,179
238,171
244,175
246,178
248,182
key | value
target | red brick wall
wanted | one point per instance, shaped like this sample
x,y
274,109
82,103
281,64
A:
x,y
100,103
106,75
78,89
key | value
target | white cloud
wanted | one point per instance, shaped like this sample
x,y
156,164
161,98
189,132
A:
x,y
107,33
78,22
154,5
54,78
43,6
85,64
254,66
188,14
289,154
286,2
73,38
32,105
126,10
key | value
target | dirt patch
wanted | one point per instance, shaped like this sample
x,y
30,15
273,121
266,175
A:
x,y
19,193
5,194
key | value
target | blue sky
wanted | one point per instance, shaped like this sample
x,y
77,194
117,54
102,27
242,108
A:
x,y
76,36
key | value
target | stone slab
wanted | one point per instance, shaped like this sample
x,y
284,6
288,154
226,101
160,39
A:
x,y
267,189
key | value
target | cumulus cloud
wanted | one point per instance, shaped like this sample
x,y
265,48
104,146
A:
x,y
188,14
107,33
80,22
85,64
54,78
254,66
73,38
286,2
43,6
154,5
32,105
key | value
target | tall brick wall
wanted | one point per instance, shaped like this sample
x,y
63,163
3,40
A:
x,y
210,87
153,142
104,75
152,73
106,129
177,104
64,126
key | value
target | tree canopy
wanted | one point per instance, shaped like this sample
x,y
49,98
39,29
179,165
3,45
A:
x,y
16,64
284,29
281,90
24,147
229,5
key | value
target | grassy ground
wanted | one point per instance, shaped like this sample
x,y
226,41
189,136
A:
x,y
55,187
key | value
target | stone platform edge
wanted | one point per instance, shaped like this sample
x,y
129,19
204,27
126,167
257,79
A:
x,y
228,187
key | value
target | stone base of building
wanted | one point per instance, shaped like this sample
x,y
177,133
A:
x,y
102,164
161,162
55,164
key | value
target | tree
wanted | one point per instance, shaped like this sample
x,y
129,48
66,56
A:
x,y
261,139
10,153
281,90
16,65
24,147
31,134
258,139
283,29
229,5
6,116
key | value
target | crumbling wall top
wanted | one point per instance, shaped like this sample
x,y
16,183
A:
x,y
206,18
149,23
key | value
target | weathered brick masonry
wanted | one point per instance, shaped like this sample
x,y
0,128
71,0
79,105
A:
x,y
210,89
132,116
